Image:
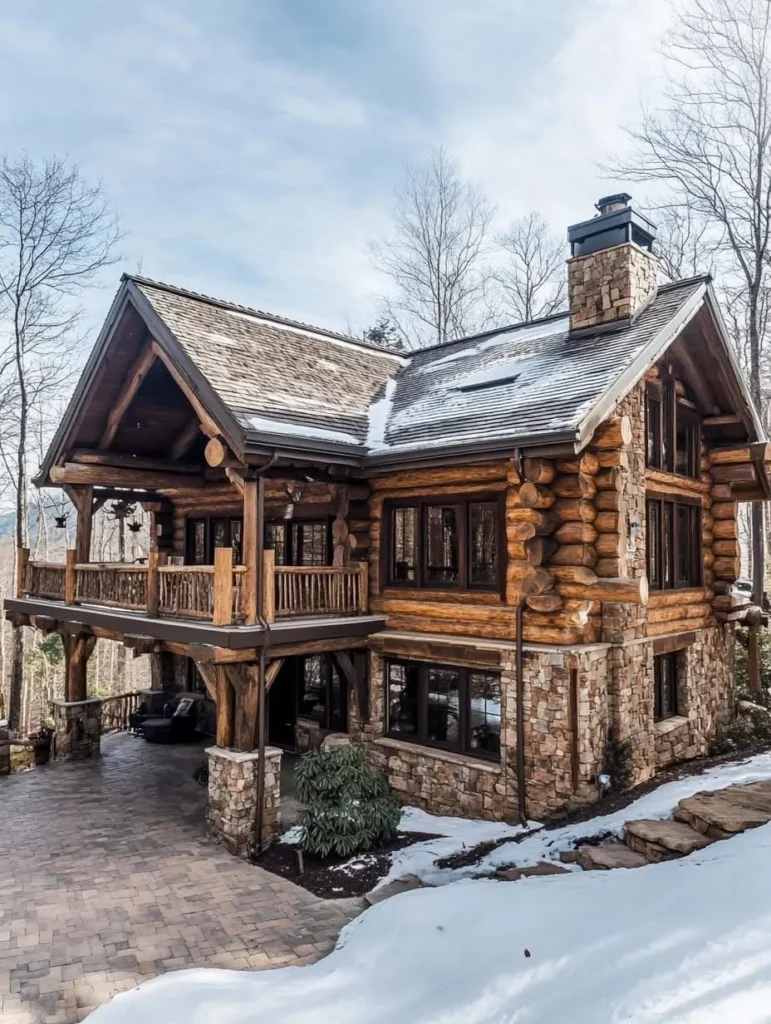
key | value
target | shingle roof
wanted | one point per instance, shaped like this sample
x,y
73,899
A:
x,y
548,380
272,372
282,378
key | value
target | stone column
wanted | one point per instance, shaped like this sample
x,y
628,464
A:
x,y
77,729
232,806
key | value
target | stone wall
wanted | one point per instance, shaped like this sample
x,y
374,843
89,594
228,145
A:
x,y
630,703
77,729
613,284
232,804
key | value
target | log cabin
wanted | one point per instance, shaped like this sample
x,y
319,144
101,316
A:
x,y
502,564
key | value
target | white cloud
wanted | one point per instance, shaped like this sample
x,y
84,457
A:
x,y
248,165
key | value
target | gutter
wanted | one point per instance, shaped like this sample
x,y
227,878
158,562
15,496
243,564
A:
x,y
520,701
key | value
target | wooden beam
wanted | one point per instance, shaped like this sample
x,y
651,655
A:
x,y
316,647
246,707
222,613
87,457
217,454
272,671
208,654
119,476
44,623
186,438
696,379
723,420
235,479
131,384
357,681
209,679
76,682
83,500
140,645
225,707
208,426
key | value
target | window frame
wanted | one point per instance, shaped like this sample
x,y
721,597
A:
x,y
462,504
421,739
670,658
664,413
668,511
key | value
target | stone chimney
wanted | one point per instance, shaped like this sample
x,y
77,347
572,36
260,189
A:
x,y
611,271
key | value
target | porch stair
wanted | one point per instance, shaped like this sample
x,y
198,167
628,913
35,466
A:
x,y
697,822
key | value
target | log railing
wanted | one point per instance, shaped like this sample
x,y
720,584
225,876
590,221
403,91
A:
x,y
112,584
116,711
295,590
214,593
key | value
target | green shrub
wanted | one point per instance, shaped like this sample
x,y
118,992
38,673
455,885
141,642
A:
x,y
349,805
750,729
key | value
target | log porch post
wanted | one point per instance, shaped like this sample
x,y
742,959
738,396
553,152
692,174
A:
x,y
22,559
223,587
251,537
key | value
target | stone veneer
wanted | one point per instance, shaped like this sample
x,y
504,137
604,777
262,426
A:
x,y
5,751
77,729
232,805
567,733
613,284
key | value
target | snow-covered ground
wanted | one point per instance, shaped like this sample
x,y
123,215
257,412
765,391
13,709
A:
x,y
684,942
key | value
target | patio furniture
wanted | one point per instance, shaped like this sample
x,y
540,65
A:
x,y
179,728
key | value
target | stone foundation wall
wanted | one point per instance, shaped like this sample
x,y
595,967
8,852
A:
x,y
630,718
232,803
77,729
578,705
5,752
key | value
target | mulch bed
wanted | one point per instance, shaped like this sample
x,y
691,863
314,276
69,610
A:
x,y
324,877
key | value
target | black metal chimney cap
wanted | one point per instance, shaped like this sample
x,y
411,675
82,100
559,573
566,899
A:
x,y
616,223
609,204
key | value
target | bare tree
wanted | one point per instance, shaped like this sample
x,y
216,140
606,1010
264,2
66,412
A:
x,y
710,145
436,255
686,243
532,281
56,232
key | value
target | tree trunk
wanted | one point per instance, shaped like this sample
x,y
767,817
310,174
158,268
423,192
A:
x,y
22,533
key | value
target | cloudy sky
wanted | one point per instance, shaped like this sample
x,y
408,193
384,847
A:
x,y
251,147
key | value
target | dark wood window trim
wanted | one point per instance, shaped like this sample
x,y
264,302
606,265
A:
x,y
665,686
420,736
674,549
462,504
666,419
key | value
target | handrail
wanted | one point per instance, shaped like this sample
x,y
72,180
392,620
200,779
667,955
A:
x,y
210,592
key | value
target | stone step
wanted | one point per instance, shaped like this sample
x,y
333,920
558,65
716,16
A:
x,y
543,867
394,888
663,840
726,812
608,857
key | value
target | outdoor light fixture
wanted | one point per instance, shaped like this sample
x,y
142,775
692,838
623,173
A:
x,y
294,494
61,521
604,783
134,526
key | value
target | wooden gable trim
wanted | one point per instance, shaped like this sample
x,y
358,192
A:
x,y
131,385
208,425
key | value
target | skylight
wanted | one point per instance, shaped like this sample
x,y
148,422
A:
x,y
484,385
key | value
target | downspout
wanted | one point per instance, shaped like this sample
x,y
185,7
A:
x,y
520,681
258,817
520,696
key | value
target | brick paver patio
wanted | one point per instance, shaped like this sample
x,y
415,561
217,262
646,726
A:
x,y
107,879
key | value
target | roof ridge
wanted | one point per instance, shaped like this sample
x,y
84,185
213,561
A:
x,y
253,311
667,286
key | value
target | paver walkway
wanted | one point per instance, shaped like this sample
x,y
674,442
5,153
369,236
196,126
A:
x,y
107,879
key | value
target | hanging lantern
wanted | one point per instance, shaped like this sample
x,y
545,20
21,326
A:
x,y
61,521
134,526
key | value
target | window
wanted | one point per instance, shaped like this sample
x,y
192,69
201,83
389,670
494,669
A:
x,y
298,542
323,695
673,432
674,544
442,567
453,544
438,705
665,686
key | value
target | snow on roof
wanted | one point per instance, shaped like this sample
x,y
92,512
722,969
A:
x,y
282,377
